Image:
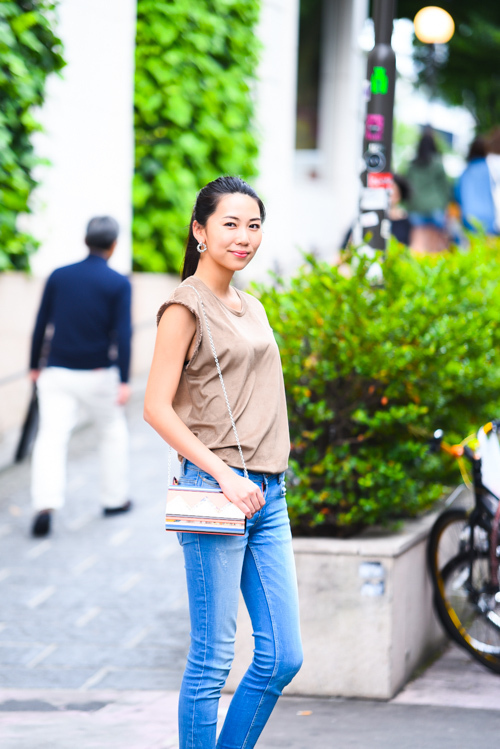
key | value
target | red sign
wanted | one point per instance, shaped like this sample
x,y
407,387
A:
x,y
380,180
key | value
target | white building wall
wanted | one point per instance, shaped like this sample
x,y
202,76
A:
x,y
88,138
311,196
276,95
327,184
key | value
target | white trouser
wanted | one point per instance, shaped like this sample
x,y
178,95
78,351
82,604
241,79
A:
x,y
61,392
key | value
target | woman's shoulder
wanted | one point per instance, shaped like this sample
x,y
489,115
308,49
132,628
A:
x,y
254,304
190,288
251,299
185,294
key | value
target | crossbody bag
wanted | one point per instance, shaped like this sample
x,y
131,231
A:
x,y
199,509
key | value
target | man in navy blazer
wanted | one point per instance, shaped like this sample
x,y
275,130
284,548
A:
x,y
85,312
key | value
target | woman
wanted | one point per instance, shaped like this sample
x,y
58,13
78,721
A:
x,y
430,195
474,190
186,406
493,161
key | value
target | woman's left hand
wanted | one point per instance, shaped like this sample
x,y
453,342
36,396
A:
x,y
243,493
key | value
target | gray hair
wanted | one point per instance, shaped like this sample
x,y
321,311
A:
x,y
102,231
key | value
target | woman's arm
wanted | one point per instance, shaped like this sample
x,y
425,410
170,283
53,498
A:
x,y
174,344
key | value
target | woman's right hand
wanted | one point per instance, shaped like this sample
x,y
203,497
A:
x,y
243,493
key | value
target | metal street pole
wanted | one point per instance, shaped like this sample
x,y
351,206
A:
x,y
377,143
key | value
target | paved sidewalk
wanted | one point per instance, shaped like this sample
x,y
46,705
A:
x,y
101,602
97,719
94,631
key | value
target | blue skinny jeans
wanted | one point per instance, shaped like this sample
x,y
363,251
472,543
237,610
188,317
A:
x,y
261,565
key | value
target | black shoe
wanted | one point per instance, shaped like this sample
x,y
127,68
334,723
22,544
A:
x,y
41,524
117,510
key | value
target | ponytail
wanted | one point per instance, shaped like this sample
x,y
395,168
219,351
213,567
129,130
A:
x,y
192,256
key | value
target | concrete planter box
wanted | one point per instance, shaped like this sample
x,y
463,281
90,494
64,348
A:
x,y
366,614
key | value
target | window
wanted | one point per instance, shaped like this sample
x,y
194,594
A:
x,y
308,74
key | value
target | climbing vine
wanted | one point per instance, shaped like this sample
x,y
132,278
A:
x,y
29,52
196,64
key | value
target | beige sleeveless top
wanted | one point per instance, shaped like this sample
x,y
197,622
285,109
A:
x,y
251,367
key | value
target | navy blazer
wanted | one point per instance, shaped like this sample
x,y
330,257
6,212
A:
x,y
88,304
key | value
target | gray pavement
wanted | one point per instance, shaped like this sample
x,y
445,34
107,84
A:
x,y
94,632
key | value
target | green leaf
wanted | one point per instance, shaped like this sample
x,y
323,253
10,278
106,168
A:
x,y
29,52
194,118
371,372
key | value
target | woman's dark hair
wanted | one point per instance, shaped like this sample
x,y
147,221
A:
x,y
426,150
404,187
477,149
206,204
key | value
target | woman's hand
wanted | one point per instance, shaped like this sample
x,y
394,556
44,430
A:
x,y
243,493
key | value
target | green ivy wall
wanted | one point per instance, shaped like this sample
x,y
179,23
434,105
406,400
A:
x,y
29,51
196,63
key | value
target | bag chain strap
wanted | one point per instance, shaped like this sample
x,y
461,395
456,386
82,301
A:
x,y
219,372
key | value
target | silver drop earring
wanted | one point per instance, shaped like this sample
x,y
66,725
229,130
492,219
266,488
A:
x,y
201,247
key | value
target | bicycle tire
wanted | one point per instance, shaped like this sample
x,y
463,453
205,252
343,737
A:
x,y
462,617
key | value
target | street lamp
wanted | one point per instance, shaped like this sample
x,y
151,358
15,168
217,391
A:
x,y
433,25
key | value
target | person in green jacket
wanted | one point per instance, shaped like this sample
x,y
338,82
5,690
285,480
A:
x,y
430,194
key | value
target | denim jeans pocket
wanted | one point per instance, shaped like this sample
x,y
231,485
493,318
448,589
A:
x,y
189,480
188,475
208,481
191,475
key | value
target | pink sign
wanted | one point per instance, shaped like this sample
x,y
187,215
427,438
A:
x,y
374,127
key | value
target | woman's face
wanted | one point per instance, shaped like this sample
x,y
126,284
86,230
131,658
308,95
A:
x,y
233,233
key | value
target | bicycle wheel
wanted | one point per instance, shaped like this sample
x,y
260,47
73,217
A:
x,y
466,604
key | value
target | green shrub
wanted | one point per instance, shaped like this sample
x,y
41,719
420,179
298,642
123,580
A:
x,y
195,63
29,51
371,371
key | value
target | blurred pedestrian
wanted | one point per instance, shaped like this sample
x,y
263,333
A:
x,y
493,161
429,197
186,404
473,190
87,305
398,215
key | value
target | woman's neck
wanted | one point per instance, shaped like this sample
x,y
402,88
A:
x,y
219,283
216,277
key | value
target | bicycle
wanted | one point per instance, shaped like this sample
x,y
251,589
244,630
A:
x,y
463,559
